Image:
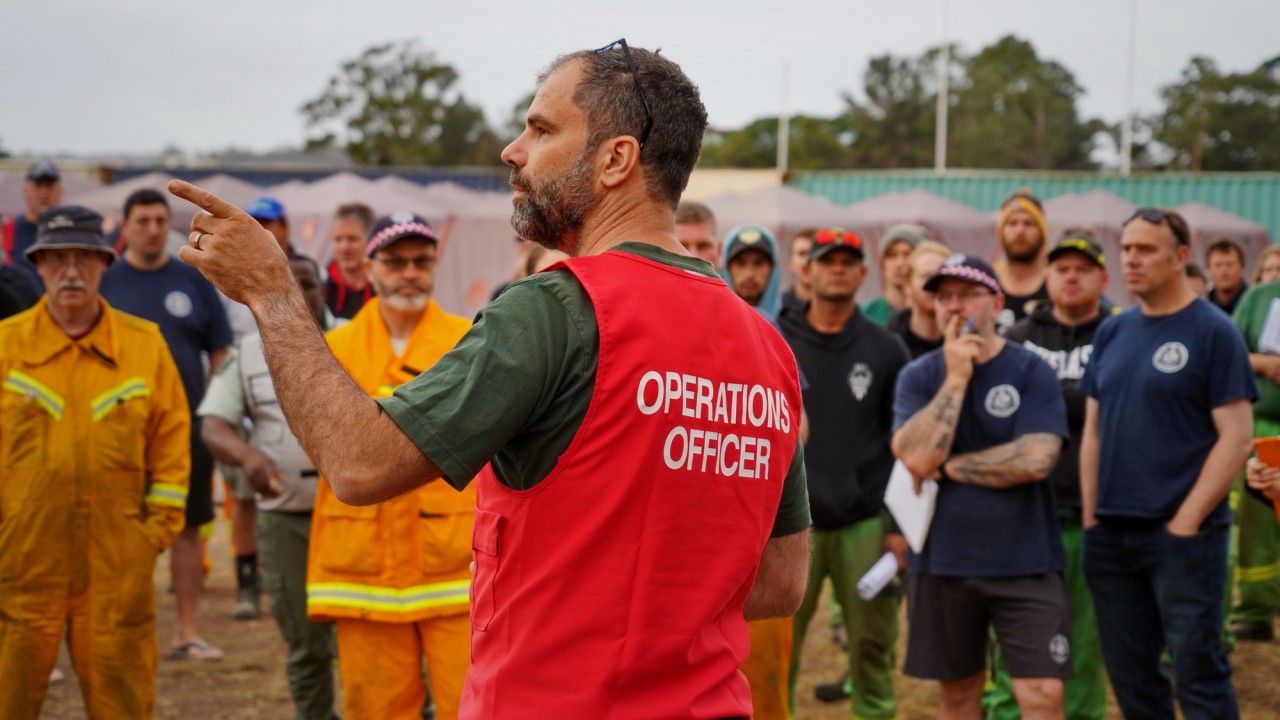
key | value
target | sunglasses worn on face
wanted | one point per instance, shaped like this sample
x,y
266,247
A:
x,y
1159,216
396,263
635,75
839,237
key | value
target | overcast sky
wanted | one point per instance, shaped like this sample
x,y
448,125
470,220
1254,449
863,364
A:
x,y
132,77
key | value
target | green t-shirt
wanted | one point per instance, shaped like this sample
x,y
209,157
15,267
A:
x,y
1251,316
517,387
878,311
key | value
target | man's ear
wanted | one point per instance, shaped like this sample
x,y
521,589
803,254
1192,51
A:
x,y
621,159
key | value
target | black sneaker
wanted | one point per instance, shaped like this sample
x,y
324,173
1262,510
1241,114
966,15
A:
x,y
833,692
1253,631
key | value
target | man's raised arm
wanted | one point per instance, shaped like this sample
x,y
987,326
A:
x,y
318,398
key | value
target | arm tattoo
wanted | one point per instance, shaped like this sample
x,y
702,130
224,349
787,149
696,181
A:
x,y
1025,460
926,438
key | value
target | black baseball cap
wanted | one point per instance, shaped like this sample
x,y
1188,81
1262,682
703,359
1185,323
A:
x,y
969,268
43,170
1081,242
70,227
831,239
749,237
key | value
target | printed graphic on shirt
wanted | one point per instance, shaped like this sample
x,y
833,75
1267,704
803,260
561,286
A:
x,y
1170,357
178,304
860,380
1069,364
741,408
1003,401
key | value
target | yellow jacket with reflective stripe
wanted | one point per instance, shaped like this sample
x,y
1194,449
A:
x,y
406,559
94,454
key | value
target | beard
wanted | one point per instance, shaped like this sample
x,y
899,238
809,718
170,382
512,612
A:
x,y
550,211
1023,253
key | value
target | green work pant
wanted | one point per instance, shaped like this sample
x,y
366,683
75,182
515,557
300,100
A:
x,y
845,555
1086,693
1258,557
282,550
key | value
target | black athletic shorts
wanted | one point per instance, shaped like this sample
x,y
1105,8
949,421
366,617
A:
x,y
949,621
200,490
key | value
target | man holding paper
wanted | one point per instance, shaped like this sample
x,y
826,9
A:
x,y
985,418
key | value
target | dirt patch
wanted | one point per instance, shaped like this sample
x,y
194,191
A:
x,y
249,684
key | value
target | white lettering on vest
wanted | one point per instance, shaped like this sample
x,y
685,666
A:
x,y
703,450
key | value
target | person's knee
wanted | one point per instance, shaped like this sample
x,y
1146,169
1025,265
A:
x,y
1039,697
963,693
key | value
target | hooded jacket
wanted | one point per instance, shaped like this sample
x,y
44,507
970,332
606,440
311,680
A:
x,y
1067,350
771,300
849,399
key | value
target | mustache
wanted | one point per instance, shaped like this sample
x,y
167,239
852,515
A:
x,y
409,285
71,285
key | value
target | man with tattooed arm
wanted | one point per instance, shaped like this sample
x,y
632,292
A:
x,y
986,419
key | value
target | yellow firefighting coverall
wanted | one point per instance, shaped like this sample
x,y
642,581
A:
x,y
395,576
94,464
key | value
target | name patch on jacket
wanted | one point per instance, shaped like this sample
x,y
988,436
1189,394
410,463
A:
x,y
741,411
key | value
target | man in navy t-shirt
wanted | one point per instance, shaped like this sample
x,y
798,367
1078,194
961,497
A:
x,y
152,285
985,418
1168,424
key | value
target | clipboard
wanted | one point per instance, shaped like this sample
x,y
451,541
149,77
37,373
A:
x,y
913,513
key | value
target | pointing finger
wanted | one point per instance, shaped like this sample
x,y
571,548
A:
x,y
203,198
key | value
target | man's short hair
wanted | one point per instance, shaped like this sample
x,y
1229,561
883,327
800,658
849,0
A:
x,y
1224,244
806,233
607,96
1193,271
358,212
692,212
924,248
145,196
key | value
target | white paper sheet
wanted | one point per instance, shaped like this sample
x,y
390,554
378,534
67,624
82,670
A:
x,y
1269,340
912,512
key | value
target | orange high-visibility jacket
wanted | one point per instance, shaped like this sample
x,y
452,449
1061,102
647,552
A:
x,y
94,463
406,559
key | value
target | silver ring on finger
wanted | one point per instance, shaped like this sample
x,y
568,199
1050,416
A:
x,y
195,242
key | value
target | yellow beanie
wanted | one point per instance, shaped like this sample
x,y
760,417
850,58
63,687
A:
x,y
1022,202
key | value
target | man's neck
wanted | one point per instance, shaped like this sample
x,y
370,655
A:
x,y
615,222
400,323
142,262
924,326
1226,296
1021,278
992,344
1167,300
801,292
75,322
895,296
830,316
1071,316
353,276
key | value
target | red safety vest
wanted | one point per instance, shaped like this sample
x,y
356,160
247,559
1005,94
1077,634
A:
x,y
614,588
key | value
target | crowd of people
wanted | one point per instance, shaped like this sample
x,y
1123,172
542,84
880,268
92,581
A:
x,y
610,505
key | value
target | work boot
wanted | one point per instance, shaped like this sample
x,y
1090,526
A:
x,y
836,691
248,606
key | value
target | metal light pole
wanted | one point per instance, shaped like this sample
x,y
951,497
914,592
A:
x,y
784,120
944,79
1126,127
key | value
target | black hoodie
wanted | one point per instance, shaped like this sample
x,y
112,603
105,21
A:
x,y
1067,350
849,401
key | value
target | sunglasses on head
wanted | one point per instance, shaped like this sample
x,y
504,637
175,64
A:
x,y
635,75
1160,216
837,236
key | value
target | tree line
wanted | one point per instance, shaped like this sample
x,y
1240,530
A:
x,y
1009,108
